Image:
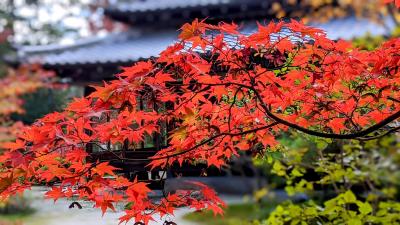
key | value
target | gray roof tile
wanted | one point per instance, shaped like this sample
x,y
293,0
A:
x,y
130,46
153,5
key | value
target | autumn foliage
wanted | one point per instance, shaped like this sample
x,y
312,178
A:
x,y
324,10
17,82
396,2
225,93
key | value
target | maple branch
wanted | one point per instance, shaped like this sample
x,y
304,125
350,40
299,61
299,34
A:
x,y
392,130
393,99
192,148
197,145
215,84
49,152
327,135
230,107
214,137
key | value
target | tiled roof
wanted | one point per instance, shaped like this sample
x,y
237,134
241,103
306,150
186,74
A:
x,y
155,5
173,13
115,48
129,47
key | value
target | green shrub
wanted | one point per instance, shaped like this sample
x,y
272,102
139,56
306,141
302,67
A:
x,y
44,101
16,205
237,214
348,182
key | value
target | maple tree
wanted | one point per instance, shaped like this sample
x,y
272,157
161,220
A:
x,y
225,93
396,2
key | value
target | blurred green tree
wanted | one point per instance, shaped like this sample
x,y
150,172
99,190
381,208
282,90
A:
x,y
348,182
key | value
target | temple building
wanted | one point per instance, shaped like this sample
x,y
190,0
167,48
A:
x,y
152,26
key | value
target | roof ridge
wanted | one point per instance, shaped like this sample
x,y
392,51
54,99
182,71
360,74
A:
x,y
82,42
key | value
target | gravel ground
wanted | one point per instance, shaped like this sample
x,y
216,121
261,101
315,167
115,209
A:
x,y
50,213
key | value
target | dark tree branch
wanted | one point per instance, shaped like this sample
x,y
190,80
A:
x,y
392,130
327,135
